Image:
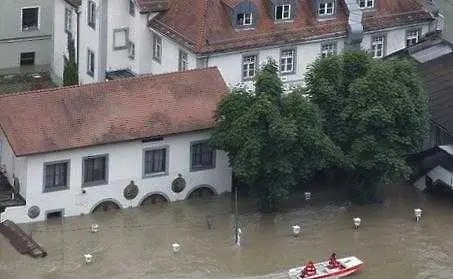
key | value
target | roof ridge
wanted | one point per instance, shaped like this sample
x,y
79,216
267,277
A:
x,y
138,77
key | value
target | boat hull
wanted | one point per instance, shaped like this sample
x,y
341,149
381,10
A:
x,y
349,266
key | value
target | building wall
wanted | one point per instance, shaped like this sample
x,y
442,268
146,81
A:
x,y
59,39
125,164
170,56
13,40
89,39
15,167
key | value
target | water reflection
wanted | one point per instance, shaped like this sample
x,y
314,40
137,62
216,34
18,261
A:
x,y
136,243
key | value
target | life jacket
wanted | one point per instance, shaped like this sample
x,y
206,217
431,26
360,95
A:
x,y
309,270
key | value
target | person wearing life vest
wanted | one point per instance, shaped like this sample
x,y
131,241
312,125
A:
x,y
308,270
333,263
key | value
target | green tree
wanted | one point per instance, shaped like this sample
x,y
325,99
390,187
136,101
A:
x,y
374,110
273,140
70,72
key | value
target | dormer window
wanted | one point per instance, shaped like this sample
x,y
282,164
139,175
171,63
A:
x,y
326,8
366,4
282,12
244,19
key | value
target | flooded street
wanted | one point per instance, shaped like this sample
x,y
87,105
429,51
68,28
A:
x,y
136,243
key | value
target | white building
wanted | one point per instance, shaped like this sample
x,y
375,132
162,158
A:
x,y
129,37
73,149
25,35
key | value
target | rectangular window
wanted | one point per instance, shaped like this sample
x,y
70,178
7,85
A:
x,y
95,170
91,14
244,19
30,19
155,161
131,50
202,157
27,58
283,12
56,176
249,64
287,61
328,48
90,62
183,62
412,37
157,47
377,46
131,7
120,38
67,20
366,4
326,8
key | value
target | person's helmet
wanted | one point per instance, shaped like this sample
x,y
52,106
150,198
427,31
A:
x,y
310,262
333,254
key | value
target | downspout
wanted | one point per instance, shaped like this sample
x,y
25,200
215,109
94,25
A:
x,y
78,36
355,27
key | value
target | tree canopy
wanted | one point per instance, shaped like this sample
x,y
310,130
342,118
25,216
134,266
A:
x,y
375,112
273,140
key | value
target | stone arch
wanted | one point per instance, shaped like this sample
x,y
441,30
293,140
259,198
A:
x,y
154,197
106,204
201,190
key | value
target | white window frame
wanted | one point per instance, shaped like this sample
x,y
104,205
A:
x,y
414,38
247,61
131,50
285,56
323,8
157,48
378,44
91,61
285,8
68,20
21,18
366,4
247,19
165,160
91,14
183,60
123,45
328,48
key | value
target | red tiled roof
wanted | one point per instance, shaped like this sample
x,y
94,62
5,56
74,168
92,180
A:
x,y
113,111
204,25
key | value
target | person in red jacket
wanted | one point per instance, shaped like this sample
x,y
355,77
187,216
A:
x,y
308,270
333,263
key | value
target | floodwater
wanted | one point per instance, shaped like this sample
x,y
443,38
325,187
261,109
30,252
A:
x,y
136,243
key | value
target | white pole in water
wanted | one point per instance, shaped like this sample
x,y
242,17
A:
x,y
176,247
418,214
88,258
237,230
94,228
296,230
357,222
307,196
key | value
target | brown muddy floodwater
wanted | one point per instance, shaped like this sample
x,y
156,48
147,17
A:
x,y
136,243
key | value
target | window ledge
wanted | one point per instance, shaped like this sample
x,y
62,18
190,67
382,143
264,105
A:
x,y
152,175
194,169
278,21
94,183
30,29
55,189
287,73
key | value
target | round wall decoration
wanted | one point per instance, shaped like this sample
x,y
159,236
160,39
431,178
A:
x,y
130,191
178,184
33,212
